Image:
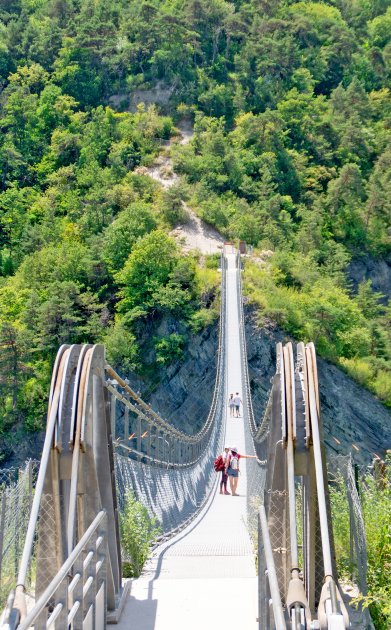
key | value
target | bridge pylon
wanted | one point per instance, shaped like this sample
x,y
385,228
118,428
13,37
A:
x,y
74,518
297,570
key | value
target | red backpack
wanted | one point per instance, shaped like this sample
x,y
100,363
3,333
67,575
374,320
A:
x,y
218,464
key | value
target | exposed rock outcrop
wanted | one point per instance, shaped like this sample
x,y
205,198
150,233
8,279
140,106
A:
x,y
350,414
185,390
378,271
182,394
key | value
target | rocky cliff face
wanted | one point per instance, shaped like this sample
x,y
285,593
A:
x,y
181,393
350,414
185,389
378,271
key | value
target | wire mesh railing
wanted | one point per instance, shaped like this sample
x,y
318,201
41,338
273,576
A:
x,y
259,431
255,468
248,407
147,437
343,471
345,478
168,470
79,602
16,491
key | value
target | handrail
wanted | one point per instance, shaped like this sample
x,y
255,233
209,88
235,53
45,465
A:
x,y
324,529
258,432
62,573
143,410
264,425
271,572
291,416
28,545
154,460
243,351
169,428
154,417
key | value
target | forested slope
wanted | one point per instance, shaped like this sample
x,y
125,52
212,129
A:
x,y
291,105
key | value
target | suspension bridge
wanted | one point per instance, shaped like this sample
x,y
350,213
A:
x,y
205,570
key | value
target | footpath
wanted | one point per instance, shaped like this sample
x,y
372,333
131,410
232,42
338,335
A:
x,y
205,576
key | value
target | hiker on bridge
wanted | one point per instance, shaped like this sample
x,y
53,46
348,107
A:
x,y
232,468
237,403
231,405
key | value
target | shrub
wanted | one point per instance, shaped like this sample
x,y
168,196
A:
x,y
138,532
169,348
172,207
207,281
121,346
375,498
359,369
376,503
202,319
382,387
341,524
212,261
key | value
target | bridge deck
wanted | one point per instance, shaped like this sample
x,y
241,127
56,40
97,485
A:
x,y
205,576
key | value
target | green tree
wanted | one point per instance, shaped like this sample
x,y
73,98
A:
x,y
12,329
147,268
380,29
121,235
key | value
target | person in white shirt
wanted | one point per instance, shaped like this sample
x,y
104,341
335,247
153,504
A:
x,y
232,468
237,403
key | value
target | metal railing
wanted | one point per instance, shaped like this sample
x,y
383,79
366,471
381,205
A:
x,y
259,431
16,495
183,450
76,455
76,597
162,466
243,352
273,616
310,595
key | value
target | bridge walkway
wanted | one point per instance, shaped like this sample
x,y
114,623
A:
x,y
205,576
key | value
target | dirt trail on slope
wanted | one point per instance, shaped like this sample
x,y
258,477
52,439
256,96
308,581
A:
x,y
195,233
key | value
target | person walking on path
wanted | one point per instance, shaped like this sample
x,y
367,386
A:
x,y
232,468
224,476
231,405
237,403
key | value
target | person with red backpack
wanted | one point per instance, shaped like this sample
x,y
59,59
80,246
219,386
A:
x,y
232,468
224,476
220,466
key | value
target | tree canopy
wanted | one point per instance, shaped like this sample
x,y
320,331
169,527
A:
x,y
290,103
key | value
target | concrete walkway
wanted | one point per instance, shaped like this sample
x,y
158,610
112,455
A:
x,y
205,576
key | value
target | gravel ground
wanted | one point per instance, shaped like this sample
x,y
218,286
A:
x,y
195,233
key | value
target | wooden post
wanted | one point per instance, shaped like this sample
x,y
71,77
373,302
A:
x,y
149,439
126,421
138,435
113,414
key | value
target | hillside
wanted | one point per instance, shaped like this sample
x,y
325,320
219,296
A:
x,y
290,104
